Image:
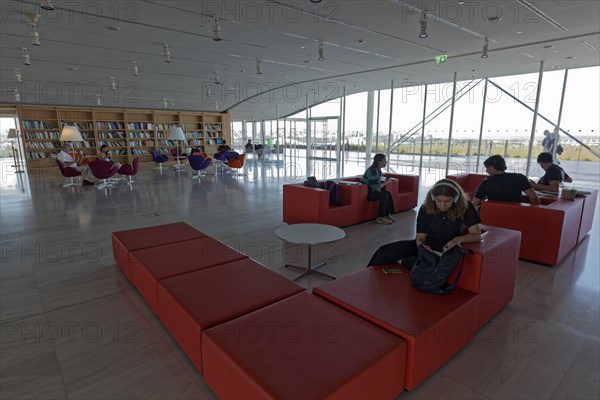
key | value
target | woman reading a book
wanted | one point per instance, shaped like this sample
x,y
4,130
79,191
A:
x,y
441,224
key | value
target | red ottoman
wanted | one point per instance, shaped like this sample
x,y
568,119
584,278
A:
x,y
435,327
148,266
303,347
191,303
124,242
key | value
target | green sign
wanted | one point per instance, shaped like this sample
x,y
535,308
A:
x,y
441,59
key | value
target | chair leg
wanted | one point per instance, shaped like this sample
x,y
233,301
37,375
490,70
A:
x,y
197,176
70,183
130,180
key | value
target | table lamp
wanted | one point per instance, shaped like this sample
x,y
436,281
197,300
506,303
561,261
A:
x,y
176,133
13,134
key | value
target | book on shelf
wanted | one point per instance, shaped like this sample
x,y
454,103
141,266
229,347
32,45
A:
x,y
140,125
110,125
42,135
79,125
29,124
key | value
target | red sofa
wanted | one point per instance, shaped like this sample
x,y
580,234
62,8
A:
x,y
549,230
302,204
469,182
587,215
435,327
303,347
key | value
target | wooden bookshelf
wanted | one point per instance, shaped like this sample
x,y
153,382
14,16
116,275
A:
x,y
128,133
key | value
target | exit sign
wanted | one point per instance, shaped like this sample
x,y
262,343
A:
x,y
441,59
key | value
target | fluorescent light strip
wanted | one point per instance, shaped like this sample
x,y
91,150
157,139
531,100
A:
x,y
589,46
526,55
541,14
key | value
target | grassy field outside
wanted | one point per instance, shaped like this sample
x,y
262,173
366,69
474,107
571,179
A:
x,y
488,148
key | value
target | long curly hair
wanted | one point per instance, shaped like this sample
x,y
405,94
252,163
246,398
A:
x,y
446,187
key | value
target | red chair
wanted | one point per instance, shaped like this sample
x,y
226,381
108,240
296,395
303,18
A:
x,y
130,170
103,170
68,172
237,163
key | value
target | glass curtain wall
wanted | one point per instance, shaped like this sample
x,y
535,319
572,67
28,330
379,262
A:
x,y
504,122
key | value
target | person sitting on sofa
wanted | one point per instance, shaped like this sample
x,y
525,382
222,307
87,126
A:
x,y
67,161
376,191
553,177
503,186
440,225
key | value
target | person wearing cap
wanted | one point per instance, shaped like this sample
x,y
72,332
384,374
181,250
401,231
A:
x,y
503,186
553,177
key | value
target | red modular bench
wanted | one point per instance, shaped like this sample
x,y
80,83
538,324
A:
x,y
189,304
435,327
302,347
587,215
469,182
302,204
549,230
124,242
148,266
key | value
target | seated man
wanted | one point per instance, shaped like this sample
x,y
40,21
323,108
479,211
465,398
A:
x,y
503,186
67,160
248,148
553,177
224,147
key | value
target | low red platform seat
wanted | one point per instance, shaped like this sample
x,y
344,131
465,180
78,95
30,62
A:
x,y
148,266
469,182
124,242
435,327
549,230
191,303
303,347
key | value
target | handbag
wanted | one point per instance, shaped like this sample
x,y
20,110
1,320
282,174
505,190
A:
x,y
431,271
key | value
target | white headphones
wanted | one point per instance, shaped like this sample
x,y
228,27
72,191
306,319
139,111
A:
x,y
451,185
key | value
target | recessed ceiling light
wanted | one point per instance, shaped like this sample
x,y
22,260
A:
x,y
307,61
113,28
493,19
519,32
570,57
460,3
72,68
548,46
556,51
302,47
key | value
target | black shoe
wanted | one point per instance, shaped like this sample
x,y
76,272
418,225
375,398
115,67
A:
x,y
86,183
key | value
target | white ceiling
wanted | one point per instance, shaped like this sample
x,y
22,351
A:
x,y
366,45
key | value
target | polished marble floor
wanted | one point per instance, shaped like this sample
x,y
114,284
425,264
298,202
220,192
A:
x,y
73,327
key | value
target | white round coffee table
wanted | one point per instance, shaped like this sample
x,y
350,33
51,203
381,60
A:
x,y
309,234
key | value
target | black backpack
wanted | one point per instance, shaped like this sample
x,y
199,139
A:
x,y
431,272
334,193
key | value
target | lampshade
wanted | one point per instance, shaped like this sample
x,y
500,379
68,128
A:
x,y
176,133
12,134
70,134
